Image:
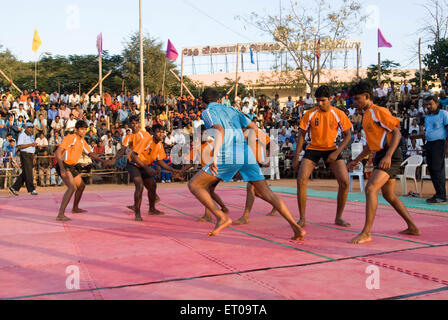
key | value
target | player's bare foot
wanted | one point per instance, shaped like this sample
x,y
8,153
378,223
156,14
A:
x,y
225,210
205,218
63,218
155,212
412,231
299,234
342,223
79,211
132,208
302,223
241,221
138,218
272,213
220,225
362,238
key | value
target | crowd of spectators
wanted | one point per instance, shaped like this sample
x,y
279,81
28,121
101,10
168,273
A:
x,y
54,115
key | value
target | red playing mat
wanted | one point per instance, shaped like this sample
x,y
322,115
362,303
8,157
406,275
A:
x,y
171,256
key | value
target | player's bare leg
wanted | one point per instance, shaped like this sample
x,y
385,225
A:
x,y
199,186
80,187
71,188
151,186
263,189
138,195
306,168
376,182
339,169
388,191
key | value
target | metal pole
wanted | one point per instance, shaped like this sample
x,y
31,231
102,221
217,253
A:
x,y
237,66
420,62
182,75
142,84
379,68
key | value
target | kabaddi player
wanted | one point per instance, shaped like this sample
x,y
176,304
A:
x,y
67,156
383,137
131,141
228,124
258,143
148,150
323,124
206,152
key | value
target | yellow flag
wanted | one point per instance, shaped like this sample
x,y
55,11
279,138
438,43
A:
x,y
36,41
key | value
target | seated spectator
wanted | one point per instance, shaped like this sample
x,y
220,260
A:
x,y
42,143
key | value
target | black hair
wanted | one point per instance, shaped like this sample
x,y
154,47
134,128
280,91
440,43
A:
x,y
81,124
433,98
361,87
323,92
133,118
210,95
158,127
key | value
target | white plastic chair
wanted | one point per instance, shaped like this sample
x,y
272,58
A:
x,y
411,163
357,149
358,172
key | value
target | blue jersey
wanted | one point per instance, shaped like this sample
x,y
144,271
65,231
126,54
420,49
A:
x,y
233,122
435,126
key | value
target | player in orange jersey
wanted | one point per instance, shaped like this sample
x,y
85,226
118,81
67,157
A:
x,y
67,156
323,124
383,137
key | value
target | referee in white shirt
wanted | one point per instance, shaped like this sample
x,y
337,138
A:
x,y
27,147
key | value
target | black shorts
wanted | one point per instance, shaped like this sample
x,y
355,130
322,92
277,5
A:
x,y
395,167
315,155
73,170
135,171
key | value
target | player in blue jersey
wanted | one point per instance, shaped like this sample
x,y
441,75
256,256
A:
x,y
231,154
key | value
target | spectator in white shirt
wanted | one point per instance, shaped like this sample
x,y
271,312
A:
x,y
406,84
179,137
42,142
95,100
73,99
413,112
414,127
251,100
71,123
309,101
20,112
246,109
426,92
290,104
382,91
137,99
169,140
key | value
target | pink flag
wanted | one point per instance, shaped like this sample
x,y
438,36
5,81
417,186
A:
x,y
171,52
382,42
99,43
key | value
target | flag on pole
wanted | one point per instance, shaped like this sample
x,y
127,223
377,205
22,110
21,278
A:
x,y
99,43
36,41
382,42
252,55
171,52
318,55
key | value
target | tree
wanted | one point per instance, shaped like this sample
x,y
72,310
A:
x,y
300,31
154,60
435,24
387,71
437,59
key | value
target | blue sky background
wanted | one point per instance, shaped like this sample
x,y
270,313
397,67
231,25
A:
x,y
184,25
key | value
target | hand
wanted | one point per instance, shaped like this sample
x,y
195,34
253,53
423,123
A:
x,y
333,157
295,165
386,162
214,167
352,165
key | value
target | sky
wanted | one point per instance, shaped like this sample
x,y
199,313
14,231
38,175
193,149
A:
x,y
71,26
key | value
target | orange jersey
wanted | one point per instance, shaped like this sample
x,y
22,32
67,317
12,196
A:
x,y
378,124
148,151
132,140
324,127
73,147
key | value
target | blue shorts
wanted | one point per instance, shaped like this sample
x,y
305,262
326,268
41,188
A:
x,y
249,172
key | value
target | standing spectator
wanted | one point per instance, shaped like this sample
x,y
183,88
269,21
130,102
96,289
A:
x,y
436,125
309,101
443,100
27,147
275,103
52,114
290,105
251,100
3,129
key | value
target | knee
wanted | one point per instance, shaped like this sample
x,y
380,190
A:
x,y
371,189
192,186
344,184
302,183
139,187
